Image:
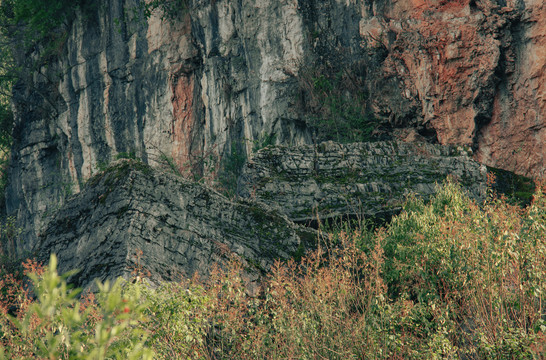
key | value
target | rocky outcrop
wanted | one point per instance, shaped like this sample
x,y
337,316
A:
x,y
515,137
180,227
465,72
361,180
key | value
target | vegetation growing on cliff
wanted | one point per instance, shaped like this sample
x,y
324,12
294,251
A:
x,y
448,279
38,18
335,104
7,78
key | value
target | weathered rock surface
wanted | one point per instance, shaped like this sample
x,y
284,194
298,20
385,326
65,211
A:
x,y
466,72
360,179
181,228
184,90
473,71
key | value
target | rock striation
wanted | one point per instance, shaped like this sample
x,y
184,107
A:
x,y
361,179
463,72
181,228
185,90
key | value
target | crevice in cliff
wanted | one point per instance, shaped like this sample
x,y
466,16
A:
x,y
488,101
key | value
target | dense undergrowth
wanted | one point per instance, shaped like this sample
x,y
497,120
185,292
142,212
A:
x,y
444,280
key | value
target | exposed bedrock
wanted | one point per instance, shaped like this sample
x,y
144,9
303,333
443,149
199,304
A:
x,y
465,72
181,228
362,179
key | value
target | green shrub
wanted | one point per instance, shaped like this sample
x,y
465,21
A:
x,y
485,266
40,17
55,325
444,280
175,320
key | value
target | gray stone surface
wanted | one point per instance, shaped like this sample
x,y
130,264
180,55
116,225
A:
x,y
155,88
369,179
231,71
181,227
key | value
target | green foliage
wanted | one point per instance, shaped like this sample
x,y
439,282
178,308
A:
x,y
169,161
6,127
54,326
483,266
37,26
102,165
518,189
416,231
175,319
170,9
126,155
444,280
7,78
232,168
9,234
39,17
333,92
335,106
263,141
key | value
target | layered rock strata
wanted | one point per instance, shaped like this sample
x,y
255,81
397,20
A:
x,y
181,228
361,179
465,72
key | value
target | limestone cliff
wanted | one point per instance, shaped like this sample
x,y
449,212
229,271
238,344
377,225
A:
x,y
466,72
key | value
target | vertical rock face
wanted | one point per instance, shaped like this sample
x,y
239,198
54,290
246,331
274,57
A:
x,y
515,137
472,72
467,72
157,89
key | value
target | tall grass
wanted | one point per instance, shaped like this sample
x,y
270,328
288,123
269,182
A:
x,y
445,280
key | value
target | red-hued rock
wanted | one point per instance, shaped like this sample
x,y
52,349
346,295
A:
x,y
477,71
515,138
183,120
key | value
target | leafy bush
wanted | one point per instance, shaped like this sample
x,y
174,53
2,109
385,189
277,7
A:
x,y
484,266
444,280
448,279
40,17
175,320
55,326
